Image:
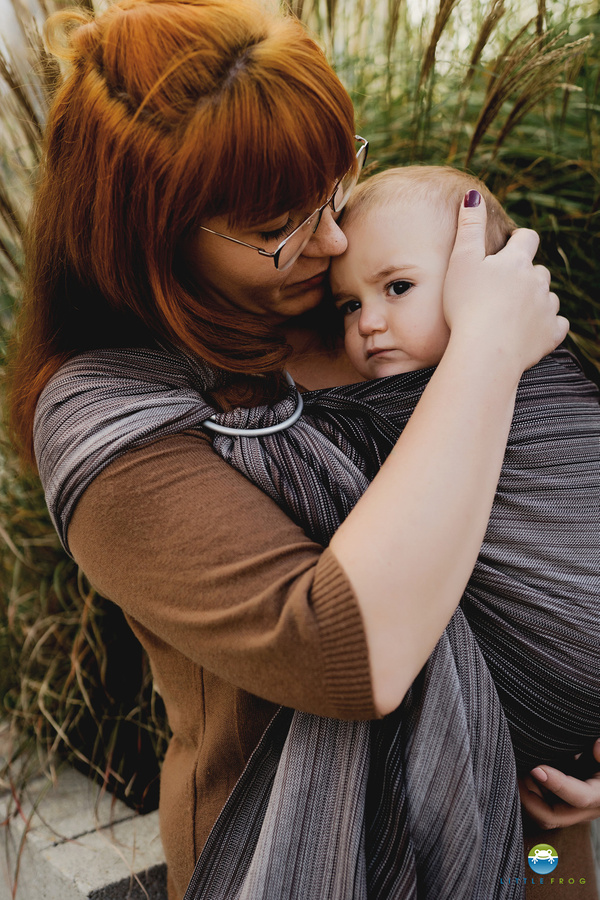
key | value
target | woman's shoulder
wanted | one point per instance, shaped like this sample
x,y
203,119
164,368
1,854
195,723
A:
x,y
175,485
103,402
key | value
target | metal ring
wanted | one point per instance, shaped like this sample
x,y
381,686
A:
x,y
260,432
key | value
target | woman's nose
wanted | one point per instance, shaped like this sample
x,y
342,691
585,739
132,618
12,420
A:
x,y
328,239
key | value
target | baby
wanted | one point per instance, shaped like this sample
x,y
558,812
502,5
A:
x,y
534,596
388,285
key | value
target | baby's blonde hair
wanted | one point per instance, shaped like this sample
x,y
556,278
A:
x,y
440,185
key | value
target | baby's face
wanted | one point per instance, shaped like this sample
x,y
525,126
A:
x,y
388,286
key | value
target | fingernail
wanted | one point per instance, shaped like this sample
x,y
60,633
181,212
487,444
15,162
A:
x,y
472,198
539,774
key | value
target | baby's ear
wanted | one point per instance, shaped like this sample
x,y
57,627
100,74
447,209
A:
x,y
472,222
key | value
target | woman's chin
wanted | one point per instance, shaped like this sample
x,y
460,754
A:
x,y
301,303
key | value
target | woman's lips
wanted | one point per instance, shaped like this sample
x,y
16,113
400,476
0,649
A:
x,y
315,281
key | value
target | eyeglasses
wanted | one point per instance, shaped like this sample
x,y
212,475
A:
x,y
292,246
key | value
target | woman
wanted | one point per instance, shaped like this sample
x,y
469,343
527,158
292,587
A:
x,y
197,156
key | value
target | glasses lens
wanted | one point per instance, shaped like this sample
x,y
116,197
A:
x,y
296,243
347,184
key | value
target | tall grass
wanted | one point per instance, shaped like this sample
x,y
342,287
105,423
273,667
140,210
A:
x,y
474,84
510,94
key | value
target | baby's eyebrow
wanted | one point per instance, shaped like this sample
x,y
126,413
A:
x,y
343,295
391,270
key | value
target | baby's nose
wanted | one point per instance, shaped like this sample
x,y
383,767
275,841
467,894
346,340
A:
x,y
372,319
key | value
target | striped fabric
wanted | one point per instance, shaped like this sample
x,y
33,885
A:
x,y
424,803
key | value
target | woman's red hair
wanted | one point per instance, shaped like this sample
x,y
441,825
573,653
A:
x,y
172,111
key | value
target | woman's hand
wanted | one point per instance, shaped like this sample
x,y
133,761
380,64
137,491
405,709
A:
x,y
409,545
555,800
503,301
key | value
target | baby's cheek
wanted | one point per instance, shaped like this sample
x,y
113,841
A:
x,y
439,341
352,339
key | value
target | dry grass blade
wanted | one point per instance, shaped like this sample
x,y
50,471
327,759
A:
x,y
8,256
514,51
393,20
490,21
46,66
297,8
25,99
572,73
529,100
18,93
331,6
532,71
540,20
441,20
494,14
9,214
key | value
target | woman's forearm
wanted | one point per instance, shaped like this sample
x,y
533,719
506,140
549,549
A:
x,y
411,542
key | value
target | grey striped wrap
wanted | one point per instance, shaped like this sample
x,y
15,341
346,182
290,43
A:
x,y
424,803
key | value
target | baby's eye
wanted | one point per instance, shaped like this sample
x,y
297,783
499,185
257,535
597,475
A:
x,y
350,306
397,288
278,233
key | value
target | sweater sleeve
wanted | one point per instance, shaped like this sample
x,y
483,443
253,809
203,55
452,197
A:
x,y
200,557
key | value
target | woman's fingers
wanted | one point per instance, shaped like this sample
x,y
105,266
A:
x,y
555,800
523,241
469,242
549,813
562,326
531,785
581,794
544,273
503,299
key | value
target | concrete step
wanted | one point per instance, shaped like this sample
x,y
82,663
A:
x,y
70,841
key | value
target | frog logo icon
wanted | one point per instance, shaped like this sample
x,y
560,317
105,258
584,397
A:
x,y
542,859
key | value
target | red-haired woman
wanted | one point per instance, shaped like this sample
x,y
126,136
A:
x,y
197,157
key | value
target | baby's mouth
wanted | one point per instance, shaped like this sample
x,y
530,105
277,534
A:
x,y
377,351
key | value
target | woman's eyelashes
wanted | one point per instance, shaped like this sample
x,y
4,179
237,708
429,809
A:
x,y
278,233
397,288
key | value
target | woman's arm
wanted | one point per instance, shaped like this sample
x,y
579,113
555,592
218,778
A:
x,y
214,572
411,542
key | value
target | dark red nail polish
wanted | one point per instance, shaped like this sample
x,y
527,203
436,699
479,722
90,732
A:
x,y
472,198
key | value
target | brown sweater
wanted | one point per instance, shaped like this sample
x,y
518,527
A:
x,y
237,608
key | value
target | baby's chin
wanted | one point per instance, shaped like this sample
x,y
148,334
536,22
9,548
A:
x,y
386,365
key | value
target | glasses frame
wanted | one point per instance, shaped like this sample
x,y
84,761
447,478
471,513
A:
x,y
361,156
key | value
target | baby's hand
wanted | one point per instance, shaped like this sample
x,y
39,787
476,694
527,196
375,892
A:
x,y
502,303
